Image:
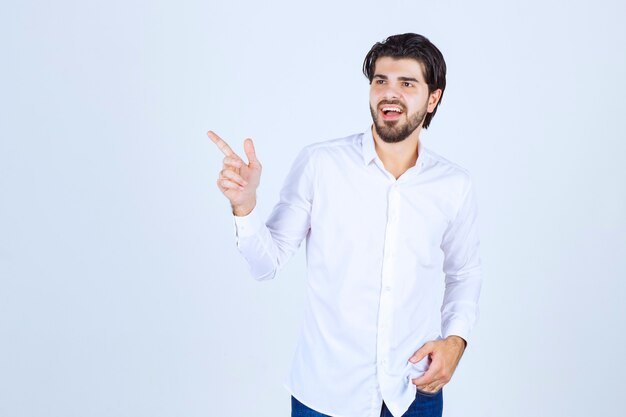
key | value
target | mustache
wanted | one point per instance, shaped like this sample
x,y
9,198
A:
x,y
392,102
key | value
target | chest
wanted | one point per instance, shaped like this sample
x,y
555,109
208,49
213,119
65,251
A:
x,y
360,202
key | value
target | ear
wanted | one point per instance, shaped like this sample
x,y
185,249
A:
x,y
433,99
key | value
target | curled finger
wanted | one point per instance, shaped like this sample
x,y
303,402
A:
x,y
226,184
234,177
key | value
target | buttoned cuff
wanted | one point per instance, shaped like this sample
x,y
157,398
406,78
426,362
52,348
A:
x,y
246,226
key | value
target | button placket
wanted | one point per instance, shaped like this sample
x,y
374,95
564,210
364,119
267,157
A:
x,y
385,306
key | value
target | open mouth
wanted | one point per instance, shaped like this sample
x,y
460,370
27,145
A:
x,y
391,112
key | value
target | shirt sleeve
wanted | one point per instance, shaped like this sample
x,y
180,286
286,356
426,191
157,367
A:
x,y
462,268
267,246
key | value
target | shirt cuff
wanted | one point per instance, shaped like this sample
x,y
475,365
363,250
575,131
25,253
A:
x,y
246,226
457,328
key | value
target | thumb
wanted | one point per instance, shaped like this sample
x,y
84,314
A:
x,y
419,354
248,147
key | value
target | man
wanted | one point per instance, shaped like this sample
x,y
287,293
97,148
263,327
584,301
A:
x,y
381,215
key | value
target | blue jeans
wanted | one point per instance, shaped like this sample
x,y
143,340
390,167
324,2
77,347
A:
x,y
424,405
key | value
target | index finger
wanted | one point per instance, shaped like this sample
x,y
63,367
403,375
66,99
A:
x,y
226,150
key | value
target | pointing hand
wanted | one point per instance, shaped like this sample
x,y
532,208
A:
x,y
238,181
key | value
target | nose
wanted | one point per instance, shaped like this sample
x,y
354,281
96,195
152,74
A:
x,y
391,92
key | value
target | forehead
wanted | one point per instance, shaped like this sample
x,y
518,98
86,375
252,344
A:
x,y
399,67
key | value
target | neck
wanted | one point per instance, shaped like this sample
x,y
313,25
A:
x,y
399,156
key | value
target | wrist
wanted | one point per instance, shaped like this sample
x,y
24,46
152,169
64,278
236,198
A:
x,y
243,209
457,341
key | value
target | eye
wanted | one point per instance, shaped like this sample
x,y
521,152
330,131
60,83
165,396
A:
x,y
408,84
380,82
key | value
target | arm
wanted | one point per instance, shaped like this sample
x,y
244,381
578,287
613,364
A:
x,y
460,302
266,247
462,269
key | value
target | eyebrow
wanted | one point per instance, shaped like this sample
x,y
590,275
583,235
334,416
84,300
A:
x,y
384,77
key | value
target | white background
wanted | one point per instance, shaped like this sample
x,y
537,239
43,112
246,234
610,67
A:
x,y
121,290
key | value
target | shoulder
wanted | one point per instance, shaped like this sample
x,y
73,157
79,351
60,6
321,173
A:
x,y
338,149
337,144
319,156
444,166
441,163
456,180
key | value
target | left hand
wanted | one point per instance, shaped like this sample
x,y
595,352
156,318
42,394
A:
x,y
444,356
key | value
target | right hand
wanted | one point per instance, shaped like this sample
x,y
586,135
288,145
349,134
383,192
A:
x,y
238,181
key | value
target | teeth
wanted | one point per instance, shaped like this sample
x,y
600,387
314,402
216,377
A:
x,y
386,109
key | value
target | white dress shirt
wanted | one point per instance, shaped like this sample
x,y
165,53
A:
x,y
375,248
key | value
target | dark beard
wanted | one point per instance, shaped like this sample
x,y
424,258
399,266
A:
x,y
390,133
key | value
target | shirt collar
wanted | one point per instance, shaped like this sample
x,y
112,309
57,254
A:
x,y
367,146
368,149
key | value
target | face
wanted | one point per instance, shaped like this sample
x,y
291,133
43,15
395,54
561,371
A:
x,y
399,98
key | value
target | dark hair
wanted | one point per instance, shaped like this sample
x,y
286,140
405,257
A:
x,y
414,46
